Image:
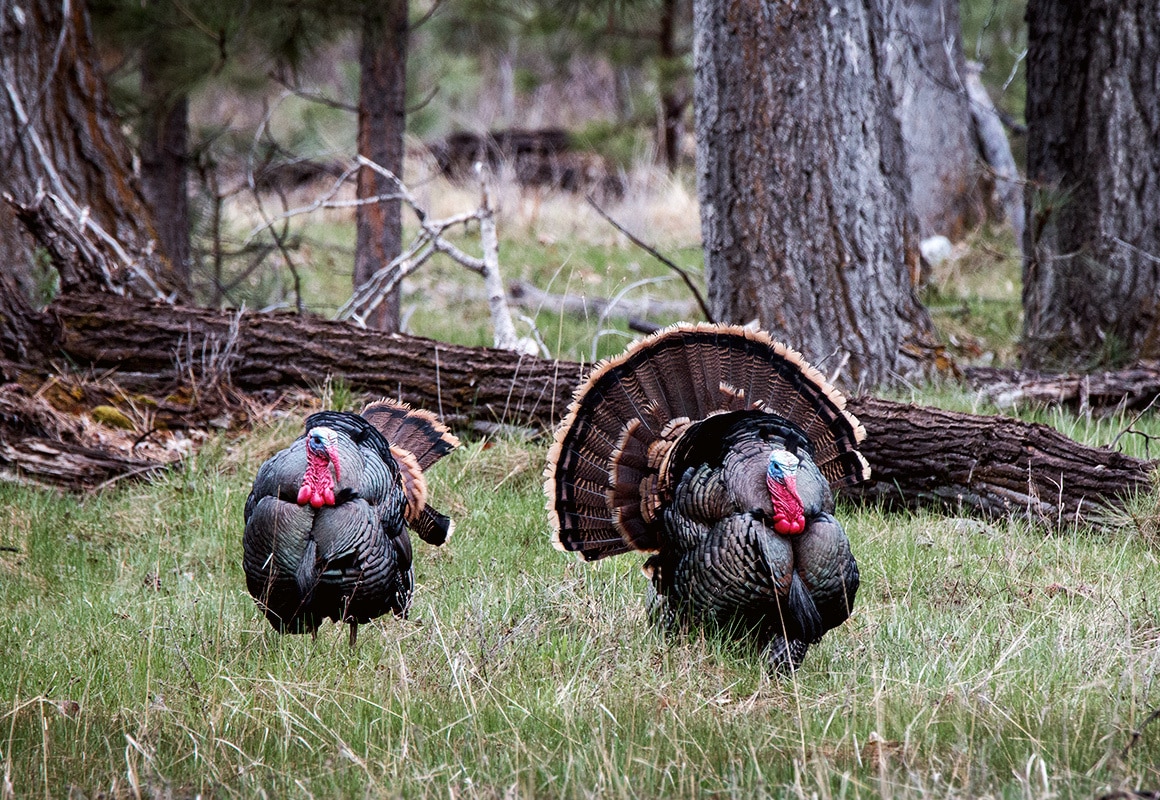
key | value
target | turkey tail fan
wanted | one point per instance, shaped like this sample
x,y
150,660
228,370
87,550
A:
x,y
415,430
417,440
604,478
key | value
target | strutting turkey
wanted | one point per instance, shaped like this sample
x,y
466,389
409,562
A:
x,y
714,448
326,521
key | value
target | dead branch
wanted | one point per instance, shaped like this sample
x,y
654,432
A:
x,y
528,296
39,445
655,254
1132,387
996,150
429,240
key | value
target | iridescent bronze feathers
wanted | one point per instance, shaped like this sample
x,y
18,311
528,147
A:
x,y
715,448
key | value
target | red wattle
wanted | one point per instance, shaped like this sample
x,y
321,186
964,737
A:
x,y
317,485
788,514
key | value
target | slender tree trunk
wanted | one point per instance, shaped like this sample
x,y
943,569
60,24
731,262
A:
x,y
671,79
382,117
59,134
1091,277
928,75
164,149
805,211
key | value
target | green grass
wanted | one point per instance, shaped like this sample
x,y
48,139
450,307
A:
x,y
982,660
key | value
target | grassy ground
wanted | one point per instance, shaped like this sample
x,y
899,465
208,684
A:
x,y
982,660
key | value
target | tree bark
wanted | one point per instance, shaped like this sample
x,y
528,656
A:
x,y
25,335
989,465
927,71
672,79
982,464
382,118
805,210
164,150
1091,281
59,134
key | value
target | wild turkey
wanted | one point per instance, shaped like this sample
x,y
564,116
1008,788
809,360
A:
x,y
714,448
326,521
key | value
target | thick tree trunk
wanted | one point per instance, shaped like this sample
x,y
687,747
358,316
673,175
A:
x,y
982,464
805,214
382,118
1091,284
927,72
59,134
164,150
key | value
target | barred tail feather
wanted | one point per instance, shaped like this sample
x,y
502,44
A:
x,y
433,527
417,440
412,429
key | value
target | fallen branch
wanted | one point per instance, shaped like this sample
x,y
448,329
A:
x,y
38,445
1132,387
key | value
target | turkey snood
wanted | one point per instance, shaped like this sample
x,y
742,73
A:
x,y
781,478
318,483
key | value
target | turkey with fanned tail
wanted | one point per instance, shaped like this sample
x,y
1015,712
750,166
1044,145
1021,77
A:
x,y
714,448
326,521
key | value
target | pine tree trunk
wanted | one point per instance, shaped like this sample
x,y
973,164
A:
x,y
670,79
164,149
928,72
1091,281
805,213
382,118
58,132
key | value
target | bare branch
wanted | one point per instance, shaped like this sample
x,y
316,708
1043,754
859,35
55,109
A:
x,y
653,252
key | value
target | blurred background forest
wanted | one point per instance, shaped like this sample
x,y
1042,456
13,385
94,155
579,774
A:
x,y
272,95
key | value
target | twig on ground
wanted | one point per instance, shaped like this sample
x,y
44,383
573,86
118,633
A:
x,y
1139,732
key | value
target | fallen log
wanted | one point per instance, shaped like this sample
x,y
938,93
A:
x,y
1133,387
989,465
163,350
984,464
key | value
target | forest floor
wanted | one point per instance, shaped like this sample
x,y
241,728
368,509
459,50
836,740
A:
x,y
983,659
